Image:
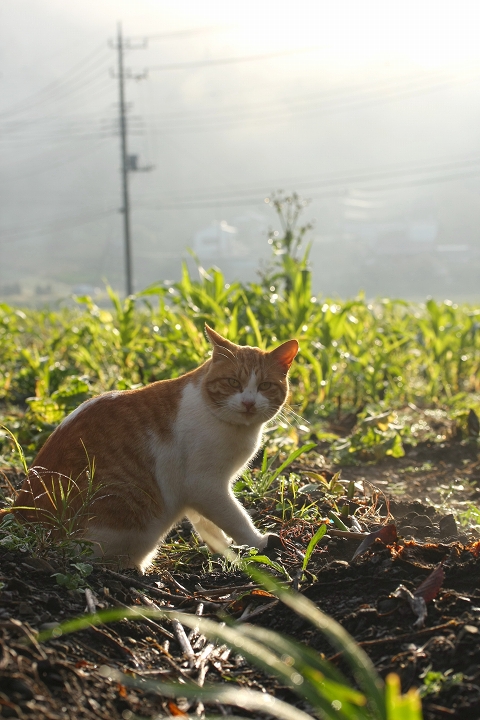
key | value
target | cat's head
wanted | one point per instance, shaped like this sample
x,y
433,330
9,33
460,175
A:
x,y
246,385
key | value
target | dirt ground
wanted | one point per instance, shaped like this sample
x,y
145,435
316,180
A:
x,y
65,677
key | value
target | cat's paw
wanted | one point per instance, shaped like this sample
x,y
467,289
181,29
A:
x,y
273,542
271,545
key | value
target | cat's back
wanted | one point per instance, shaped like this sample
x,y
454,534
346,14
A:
x,y
114,426
109,438
117,412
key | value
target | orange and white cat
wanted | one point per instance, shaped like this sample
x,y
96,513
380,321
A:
x,y
163,452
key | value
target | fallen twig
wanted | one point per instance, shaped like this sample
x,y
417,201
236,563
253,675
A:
x,y
126,580
145,619
115,643
402,638
183,641
202,657
246,615
90,598
185,672
196,639
30,635
199,590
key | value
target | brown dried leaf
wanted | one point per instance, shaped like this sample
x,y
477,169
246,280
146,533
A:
x,y
175,710
387,534
429,588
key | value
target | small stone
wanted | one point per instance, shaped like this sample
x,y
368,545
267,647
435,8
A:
x,y
408,531
53,604
20,689
387,605
24,608
448,526
49,626
18,585
337,565
39,564
421,521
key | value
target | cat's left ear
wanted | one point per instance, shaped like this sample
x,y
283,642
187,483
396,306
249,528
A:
x,y
218,341
284,354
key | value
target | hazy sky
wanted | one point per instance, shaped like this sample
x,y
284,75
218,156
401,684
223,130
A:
x,y
239,100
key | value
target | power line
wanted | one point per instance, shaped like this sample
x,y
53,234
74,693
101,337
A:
x,y
47,167
12,133
229,61
342,179
36,98
433,180
286,110
93,82
183,33
334,185
338,192
333,94
276,110
338,94
19,234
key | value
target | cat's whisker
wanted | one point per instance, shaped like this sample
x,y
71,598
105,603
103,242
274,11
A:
x,y
292,417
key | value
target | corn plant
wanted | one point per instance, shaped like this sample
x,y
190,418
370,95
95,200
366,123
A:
x,y
354,354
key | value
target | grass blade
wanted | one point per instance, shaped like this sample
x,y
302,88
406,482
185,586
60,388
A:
x,y
251,700
312,545
291,458
359,662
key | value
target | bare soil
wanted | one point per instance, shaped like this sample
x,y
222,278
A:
x,y
424,494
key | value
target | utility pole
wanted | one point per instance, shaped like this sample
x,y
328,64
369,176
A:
x,y
124,166
128,163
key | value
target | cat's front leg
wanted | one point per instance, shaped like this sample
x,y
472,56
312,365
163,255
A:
x,y
214,538
225,512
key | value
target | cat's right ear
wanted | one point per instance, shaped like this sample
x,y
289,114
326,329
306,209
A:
x,y
284,354
219,342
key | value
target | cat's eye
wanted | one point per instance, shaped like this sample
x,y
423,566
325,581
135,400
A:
x,y
265,385
233,382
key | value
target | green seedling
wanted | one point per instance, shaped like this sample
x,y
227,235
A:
x,y
74,580
337,521
312,545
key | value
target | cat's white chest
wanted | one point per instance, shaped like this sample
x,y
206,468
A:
x,y
210,440
202,449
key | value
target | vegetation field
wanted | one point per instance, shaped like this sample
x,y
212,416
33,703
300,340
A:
x,y
371,477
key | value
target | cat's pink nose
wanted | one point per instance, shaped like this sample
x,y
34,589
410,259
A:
x,y
248,404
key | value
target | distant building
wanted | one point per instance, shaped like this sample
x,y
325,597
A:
x,y
219,244
218,241
395,237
